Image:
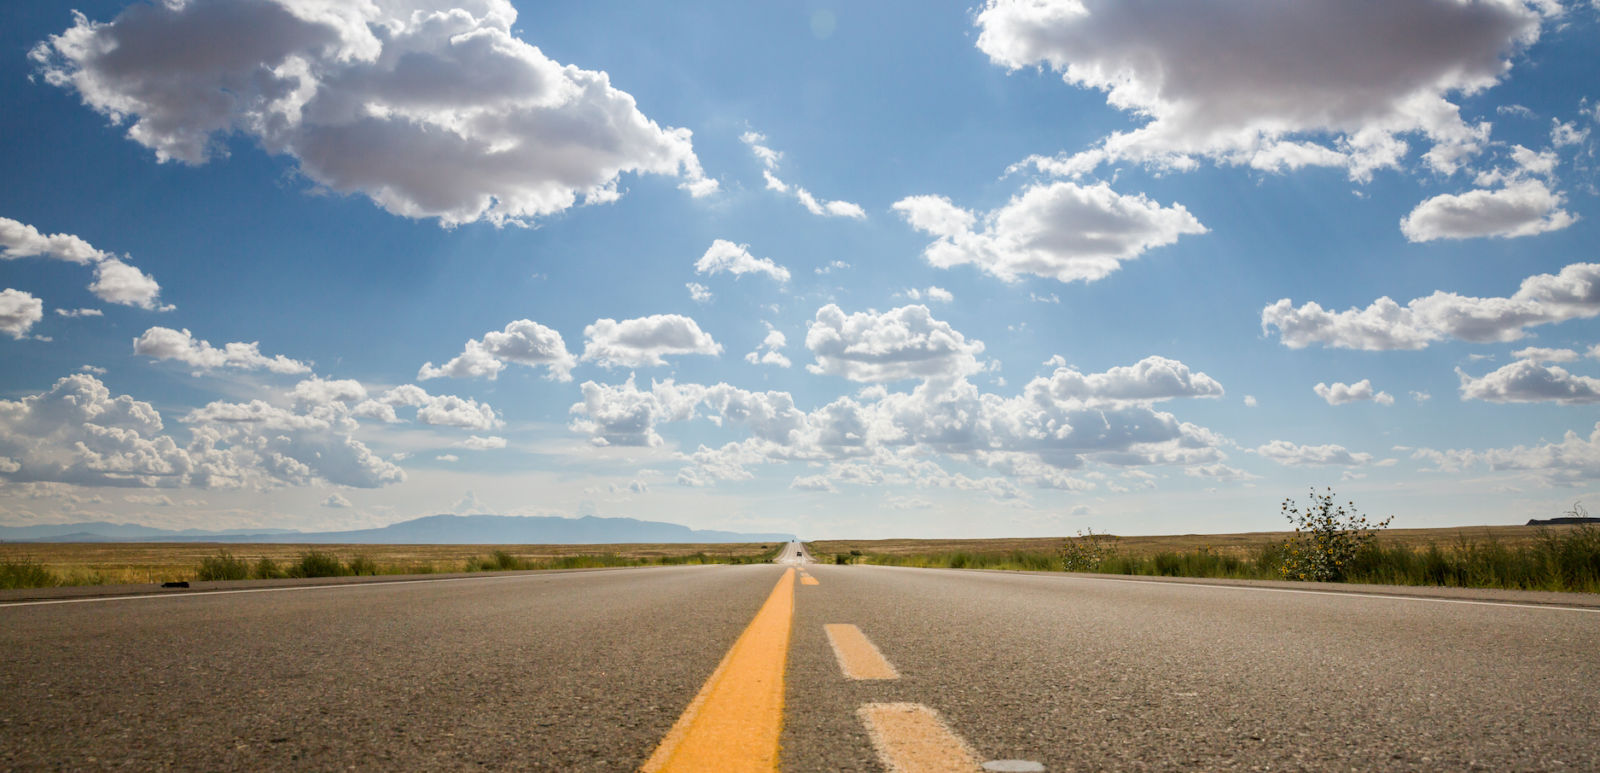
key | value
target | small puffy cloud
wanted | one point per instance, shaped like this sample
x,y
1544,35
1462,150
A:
x,y
1523,209
699,293
1530,381
644,341
1286,453
431,109
1152,379
769,161
20,240
477,443
770,351
164,343
442,410
118,282
932,295
1060,230
1341,393
115,281
524,342
897,344
19,311
813,483
337,502
74,313
1421,397
1249,401
448,458
736,259
1275,86
832,266
1542,299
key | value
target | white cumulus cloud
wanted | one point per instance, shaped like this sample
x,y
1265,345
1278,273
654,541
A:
x,y
1542,299
115,280
1530,381
1522,209
523,341
1273,86
164,343
897,344
1287,453
431,109
1059,230
1340,393
644,341
19,310
770,351
736,259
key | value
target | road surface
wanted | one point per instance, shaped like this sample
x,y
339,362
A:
x,y
600,670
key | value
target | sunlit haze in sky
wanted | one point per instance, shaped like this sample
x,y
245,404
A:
x,y
840,270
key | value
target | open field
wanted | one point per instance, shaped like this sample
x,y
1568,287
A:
x,y
1242,544
97,563
1553,558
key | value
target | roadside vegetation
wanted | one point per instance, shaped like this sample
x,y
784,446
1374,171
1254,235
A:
x,y
38,565
1331,542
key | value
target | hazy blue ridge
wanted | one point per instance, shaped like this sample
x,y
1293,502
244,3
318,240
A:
x,y
433,529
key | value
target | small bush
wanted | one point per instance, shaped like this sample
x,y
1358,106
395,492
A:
x,y
22,573
317,564
1327,537
359,565
841,559
267,569
223,566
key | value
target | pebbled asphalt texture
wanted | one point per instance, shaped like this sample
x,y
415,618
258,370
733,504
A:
x,y
587,671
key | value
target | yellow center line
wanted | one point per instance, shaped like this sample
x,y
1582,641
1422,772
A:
x,y
734,723
911,738
858,657
807,579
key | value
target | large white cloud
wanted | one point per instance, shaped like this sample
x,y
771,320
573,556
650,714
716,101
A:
x,y
769,162
643,342
1542,299
77,432
1522,209
115,280
736,259
1529,381
1059,230
1055,425
432,109
19,310
524,342
897,344
1270,85
1340,393
164,343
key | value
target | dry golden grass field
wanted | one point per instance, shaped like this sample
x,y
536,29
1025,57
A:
x,y
1238,544
140,562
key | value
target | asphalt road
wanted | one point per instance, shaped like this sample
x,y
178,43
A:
x,y
589,670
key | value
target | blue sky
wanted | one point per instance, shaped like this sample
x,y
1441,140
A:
x,y
1009,269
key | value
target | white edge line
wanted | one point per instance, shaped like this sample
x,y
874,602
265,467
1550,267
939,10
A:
x,y
1341,594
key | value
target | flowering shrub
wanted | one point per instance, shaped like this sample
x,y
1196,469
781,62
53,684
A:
x,y
1086,552
1326,538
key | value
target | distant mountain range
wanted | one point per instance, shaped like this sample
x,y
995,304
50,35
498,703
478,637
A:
x,y
428,530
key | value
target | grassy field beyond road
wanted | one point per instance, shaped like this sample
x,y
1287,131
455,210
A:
x,y
39,564
1565,558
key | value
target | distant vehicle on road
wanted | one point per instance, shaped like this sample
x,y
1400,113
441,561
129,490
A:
x,y
799,552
